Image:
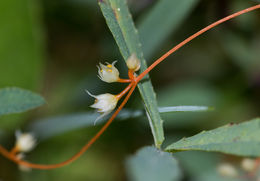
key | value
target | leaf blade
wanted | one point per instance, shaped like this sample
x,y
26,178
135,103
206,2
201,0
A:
x,y
152,164
47,127
20,65
17,100
122,27
184,109
242,139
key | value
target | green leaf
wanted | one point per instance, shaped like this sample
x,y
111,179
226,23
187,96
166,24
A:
x,y
21,50
122,27
161,21
16,100
47,127
238,139
184,109
189,93
152,164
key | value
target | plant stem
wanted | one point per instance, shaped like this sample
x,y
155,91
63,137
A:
x,y
159,60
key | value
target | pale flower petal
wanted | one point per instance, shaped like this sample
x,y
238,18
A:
x,y
133,63
25,142
248,164
108,73
23,167
227,170
104,103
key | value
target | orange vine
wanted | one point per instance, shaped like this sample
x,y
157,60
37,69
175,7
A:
x,y
130,88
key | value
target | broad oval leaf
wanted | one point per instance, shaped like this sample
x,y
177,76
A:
x,y
238,139
152,164
16,100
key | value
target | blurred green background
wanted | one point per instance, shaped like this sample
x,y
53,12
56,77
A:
x,y
53,46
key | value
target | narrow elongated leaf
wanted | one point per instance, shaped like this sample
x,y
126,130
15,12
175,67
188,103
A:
x,y
152,164
16,100
162,20
238,139
52,126
122,27
184,109
21,50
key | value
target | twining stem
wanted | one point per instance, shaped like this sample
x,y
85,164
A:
x,y
121,94
123,80
5,153
134,80
132,76
159,60
14,150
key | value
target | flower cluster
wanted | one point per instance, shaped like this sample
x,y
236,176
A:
x,y
106,103
25,142
231,170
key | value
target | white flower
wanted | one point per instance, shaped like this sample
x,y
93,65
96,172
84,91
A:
x,y
248,164
104,103
227,170
133,63
108,73
25,142
23,167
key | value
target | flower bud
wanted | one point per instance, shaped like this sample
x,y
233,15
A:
x,y
227,170
133,63
104,103
25,142
248,164
108,73
23,167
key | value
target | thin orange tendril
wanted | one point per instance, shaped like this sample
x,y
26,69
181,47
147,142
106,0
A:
x,y
131,87
159,60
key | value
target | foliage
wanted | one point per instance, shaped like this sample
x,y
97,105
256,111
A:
x,y
16,100
242,139
152,164
122,27
211,84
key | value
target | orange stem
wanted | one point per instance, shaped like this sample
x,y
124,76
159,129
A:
x,y
134,81
123,80
121,94
14,150
159,60
5,153
131,75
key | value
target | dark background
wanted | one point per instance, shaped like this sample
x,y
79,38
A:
x,y
53,46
